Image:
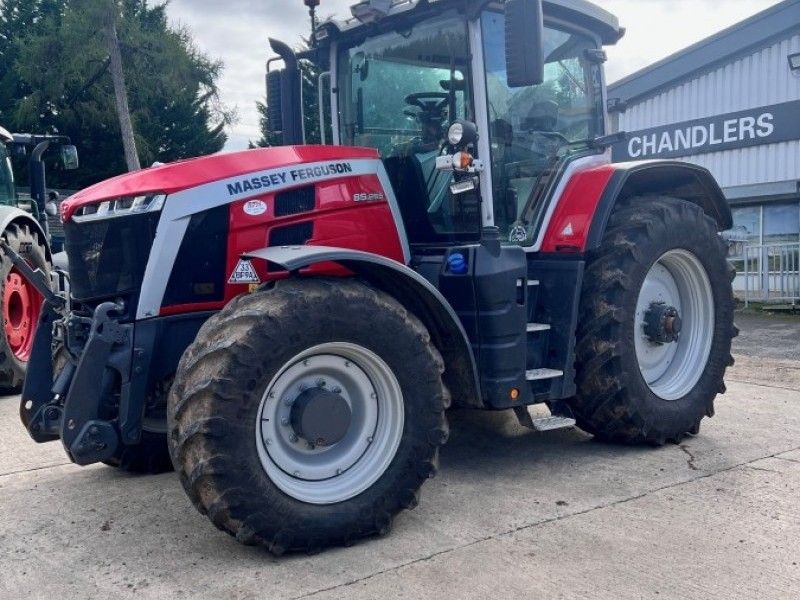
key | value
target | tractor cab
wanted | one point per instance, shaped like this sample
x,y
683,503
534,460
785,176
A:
x,y
527,76
8,192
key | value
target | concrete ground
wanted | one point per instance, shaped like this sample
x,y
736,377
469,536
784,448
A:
x,y
512,514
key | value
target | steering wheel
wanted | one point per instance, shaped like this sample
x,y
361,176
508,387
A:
x,y
429,101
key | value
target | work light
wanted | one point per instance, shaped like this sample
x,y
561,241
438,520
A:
x,y
462,133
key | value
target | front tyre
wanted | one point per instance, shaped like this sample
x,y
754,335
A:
x,y
307,414
656,323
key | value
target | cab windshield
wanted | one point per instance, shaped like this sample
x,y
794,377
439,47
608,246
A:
x,y
7,190
398,93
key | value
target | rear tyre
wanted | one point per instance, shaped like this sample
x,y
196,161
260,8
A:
x,y
655,326
307,414
21,305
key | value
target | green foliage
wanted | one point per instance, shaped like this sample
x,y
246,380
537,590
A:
x,y
54,79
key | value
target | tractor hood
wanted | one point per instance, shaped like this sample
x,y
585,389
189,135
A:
x,y
182,175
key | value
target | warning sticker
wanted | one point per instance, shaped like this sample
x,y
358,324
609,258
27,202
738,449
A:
x,y
244,273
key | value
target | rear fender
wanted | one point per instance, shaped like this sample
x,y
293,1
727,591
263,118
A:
x,y
409,288
660,178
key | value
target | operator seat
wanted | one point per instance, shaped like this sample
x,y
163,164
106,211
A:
x,y
421,189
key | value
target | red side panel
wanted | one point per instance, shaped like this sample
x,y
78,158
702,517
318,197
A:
x,y
569,227
338,220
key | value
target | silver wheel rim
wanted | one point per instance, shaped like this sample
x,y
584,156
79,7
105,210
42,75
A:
x,y
327,475
677,279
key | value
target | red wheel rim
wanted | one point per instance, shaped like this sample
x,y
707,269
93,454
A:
x,y
22,305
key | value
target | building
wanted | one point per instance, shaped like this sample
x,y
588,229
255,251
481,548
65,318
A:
x,y
731,103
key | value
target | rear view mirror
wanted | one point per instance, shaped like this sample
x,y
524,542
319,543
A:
x,y
69,157
524,43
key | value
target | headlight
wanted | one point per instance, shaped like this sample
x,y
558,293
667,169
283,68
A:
x,y
456,134
119,207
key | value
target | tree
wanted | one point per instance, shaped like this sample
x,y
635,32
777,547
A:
x,y
171,87
110,9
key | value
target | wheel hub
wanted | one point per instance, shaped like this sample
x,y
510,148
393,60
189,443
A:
x,y
21,309
321,417
329,423
662,323
674,326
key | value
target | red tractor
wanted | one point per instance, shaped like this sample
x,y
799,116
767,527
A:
x,y
288,326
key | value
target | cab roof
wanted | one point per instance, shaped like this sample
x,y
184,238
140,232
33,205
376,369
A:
x,y
580,12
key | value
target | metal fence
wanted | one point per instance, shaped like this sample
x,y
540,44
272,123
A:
x,y
770,273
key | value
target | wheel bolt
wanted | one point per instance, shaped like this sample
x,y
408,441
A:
x,y
369,440
347,364
293,438
321,382
288,402
337,390
284,421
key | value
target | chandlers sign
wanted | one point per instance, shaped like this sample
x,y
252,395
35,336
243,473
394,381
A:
x,y
767,125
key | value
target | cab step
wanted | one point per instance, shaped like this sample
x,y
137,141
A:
x,y
541,374
537,327
541,424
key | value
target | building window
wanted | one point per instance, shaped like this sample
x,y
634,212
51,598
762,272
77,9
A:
x,y
765,247
746,232
782,223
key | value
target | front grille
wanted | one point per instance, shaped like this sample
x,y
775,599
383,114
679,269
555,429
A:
x,y
108,258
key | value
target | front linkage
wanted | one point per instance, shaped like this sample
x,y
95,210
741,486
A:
x,y
69,406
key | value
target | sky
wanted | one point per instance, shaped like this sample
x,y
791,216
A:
x,y
236,32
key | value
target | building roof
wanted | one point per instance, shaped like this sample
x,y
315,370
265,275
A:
x,y
734,41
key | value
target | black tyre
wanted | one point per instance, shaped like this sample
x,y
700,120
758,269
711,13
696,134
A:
x,y
308,414
22,305
655,326
151,455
